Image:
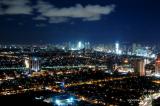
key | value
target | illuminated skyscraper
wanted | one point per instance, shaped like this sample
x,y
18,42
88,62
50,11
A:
x,y
80,45
87,45
117,47
134,47
157,65
141,67
27,63
117,50
35,64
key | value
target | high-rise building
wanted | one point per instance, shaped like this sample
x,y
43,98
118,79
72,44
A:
x,y
134,47
142,68
80,45
35,64
87,45
157,65
27,63
117,48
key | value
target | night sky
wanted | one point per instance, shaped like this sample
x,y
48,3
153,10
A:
x,y
99,21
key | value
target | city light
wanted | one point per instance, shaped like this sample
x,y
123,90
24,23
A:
x,y
157,75
35,59
117,47
153,56
35,64
27,63
70,100
80,52
64,101
58,102
117,50
79,44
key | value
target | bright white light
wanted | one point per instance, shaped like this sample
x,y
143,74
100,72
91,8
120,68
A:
x,y
117,44
26,63
35,59
79,44
119,52
117,48
58,102
70,100
109,51
153,56
157,75
73,49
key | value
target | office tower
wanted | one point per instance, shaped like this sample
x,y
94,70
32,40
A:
x,y
35,64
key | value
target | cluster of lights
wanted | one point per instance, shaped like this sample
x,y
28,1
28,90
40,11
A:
x,y
157,75
35,64
26,63
79,46
65,102
117,50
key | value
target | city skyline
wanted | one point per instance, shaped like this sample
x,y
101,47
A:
x,y
80,52
51,21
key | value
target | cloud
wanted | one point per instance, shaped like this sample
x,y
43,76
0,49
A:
x,y
18,10
1,11
94,18
86,13
58,19
16,7
14,2
48,12
40,18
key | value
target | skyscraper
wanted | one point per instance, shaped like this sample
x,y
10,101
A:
x,y
117,47
157,65
35,64
141,69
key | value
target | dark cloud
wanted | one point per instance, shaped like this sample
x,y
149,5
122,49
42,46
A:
x,y
53,14
16,7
